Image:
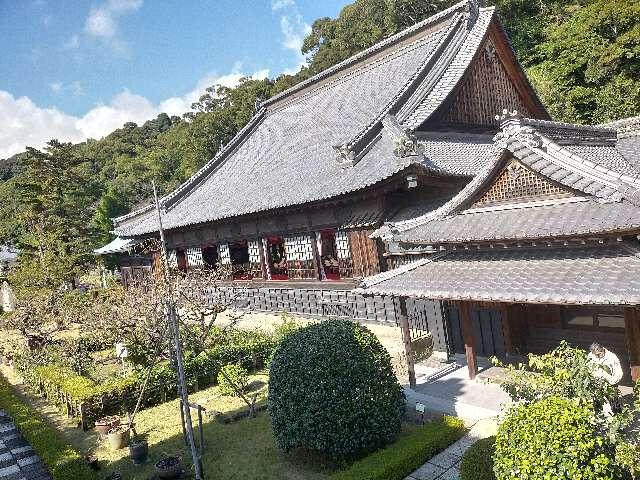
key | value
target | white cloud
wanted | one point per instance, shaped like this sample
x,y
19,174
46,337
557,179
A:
x,y
181,104
294,29
280,4
100,23
31,125
56,87
75,88
103,20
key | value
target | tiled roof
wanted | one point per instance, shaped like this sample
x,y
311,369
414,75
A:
x,y
286,155
628,132
611,188
599,275
529,221
454,153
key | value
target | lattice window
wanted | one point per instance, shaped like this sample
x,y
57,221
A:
x,y
255,259
254,251
223,254
517,182
172,259
194,257
299,251
342,245
299,248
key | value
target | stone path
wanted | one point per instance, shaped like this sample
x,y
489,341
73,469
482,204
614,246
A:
x,y
446,465
18,460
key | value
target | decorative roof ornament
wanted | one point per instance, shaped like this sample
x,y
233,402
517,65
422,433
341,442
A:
x,y
405,142
344,154
473,7
513,129
507,115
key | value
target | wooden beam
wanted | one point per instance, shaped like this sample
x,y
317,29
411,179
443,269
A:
x,y
406,338
469,342
632,335
507,333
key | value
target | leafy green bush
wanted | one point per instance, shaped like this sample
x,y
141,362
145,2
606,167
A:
x,y
41,369
61,459
406,454
552,438
628,458
332,389
231,377
477,461
564,372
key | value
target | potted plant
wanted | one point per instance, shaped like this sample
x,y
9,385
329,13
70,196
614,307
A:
x,y
119,437
169,468
139,450
104,424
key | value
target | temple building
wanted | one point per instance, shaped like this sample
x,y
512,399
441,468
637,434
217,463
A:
x,y
541,246
354,193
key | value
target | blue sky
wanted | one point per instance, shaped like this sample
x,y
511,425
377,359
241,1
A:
x,y
78,69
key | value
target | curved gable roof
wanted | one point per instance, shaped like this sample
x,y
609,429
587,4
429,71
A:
x,y
609,199
286,155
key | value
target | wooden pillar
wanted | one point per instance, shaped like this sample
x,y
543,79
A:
x,y
632,334
506,327
406,337
467,336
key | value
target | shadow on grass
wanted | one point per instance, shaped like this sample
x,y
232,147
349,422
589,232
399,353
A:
x,y
244,449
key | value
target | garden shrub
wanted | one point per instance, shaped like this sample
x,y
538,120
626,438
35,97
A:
x,y
332,389
552,438
41,369
406,454
61,459
565,372
238,376
477,461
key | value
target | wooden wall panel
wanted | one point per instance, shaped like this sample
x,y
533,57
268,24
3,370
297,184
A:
x,y
485,92
364,252
632,333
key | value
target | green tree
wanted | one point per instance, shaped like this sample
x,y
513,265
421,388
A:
x,y
588,66
54,190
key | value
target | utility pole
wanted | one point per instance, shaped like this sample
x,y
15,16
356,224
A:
x,y
174,331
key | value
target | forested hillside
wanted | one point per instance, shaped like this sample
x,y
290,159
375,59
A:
x,y
583,56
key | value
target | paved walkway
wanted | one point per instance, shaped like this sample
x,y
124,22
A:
x,y
446,465
18,460
450,391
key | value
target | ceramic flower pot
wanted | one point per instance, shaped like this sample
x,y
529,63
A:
x,y
104,424
118,437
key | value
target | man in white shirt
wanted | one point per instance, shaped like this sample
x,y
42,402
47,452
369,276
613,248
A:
x,y
607,366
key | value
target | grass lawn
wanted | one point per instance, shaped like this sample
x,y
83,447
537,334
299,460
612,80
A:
x,y
241,450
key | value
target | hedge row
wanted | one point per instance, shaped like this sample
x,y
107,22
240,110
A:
x,y
62,460
477,461
251,349
408,453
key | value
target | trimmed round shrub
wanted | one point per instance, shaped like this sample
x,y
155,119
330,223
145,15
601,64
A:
x,y
552,438
332,389
477,461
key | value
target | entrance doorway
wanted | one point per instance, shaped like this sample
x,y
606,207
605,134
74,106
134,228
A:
x,y
488,331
